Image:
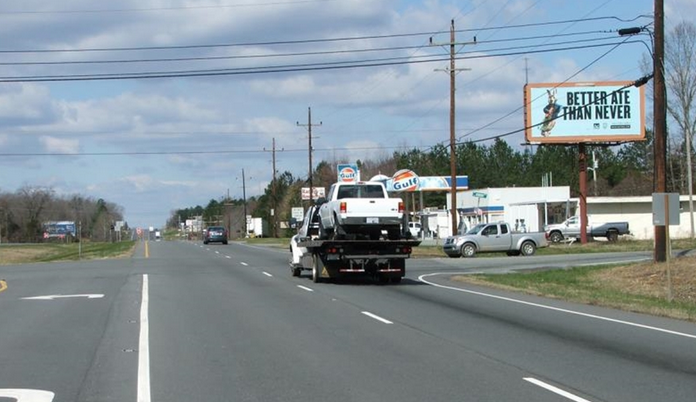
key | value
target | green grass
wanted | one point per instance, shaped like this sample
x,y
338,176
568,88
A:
x,y
70,252
578,285
89,251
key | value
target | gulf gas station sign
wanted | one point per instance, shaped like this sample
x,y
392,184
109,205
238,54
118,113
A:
x,y
348,173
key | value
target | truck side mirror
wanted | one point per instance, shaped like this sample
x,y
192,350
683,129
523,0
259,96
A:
x,y
320,201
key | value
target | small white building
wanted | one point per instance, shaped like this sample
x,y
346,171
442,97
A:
x,y
530,208
526,209
637,211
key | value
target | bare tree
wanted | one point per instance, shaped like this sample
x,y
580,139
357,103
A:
x,y
680,78
33,202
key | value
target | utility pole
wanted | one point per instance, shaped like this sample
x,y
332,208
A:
x,y
274,200
246,228
660,117
452,70
309,130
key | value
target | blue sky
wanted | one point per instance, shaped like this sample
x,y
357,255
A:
x,y
155,145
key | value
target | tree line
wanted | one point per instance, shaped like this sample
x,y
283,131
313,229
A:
x,y
620,170
24,212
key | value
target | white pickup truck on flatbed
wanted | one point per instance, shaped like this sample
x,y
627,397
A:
x,y
361,210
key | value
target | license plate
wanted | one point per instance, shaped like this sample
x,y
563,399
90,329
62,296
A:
x,y
371,220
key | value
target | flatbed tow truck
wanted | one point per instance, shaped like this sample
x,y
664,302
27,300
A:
x,y
384,260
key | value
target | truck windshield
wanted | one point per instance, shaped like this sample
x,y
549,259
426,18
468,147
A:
x,y
476,228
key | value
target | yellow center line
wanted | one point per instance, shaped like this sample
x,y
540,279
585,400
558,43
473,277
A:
x,y
147,249
3,285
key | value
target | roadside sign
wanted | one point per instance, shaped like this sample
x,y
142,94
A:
x,y
298,213
665,209
479,194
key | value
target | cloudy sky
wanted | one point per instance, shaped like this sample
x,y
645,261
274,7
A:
x,y
160,104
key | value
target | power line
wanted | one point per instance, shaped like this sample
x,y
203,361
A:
x,y
293,54
393,61
180,8
312,41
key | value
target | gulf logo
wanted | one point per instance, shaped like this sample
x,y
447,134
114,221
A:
x,y
347,175
405,180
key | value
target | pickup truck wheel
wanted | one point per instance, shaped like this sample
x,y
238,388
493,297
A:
x,y
556,237
468,250
528,248
613,236
323,233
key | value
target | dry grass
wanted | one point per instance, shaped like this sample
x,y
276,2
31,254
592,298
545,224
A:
x,y
650,279
22,254
641,287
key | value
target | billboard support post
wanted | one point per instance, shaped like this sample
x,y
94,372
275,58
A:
x,y
583,192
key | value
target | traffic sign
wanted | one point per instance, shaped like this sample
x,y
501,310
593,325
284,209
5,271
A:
x,y
478,194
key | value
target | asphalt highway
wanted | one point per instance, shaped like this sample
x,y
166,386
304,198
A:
x,y
183,321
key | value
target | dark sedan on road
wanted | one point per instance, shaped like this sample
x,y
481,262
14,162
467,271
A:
x,y
215,234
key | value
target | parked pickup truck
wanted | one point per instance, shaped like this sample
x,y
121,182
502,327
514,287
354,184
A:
x,y
570,228
361,210
489,237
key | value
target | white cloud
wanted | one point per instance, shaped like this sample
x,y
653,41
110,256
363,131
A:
x,y
60,145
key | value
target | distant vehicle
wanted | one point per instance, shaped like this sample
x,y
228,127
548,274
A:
x,y
257,227
415,229
158,235
215,234
491,237
308,231
570,228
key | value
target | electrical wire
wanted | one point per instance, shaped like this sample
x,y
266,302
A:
x,y
279,68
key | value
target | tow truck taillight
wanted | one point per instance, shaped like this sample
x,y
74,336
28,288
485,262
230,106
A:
x,y
343,207
401,207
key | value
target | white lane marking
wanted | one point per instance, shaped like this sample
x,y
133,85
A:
x,y
53,297
562,310
244,263
217,252
376,317
27,395
556,390
144,346
305,288
228,257
267,274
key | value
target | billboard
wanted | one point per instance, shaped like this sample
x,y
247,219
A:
x,y
584,112
58,229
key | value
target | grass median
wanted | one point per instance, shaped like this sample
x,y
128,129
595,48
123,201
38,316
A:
x,y
49,252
